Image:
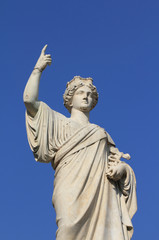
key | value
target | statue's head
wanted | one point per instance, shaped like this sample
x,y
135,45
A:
x,y
78,87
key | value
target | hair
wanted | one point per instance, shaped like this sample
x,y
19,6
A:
x,y
73,85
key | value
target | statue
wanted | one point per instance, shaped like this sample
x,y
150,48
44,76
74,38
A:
x,y
94,191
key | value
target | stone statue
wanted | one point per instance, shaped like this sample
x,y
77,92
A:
x,y
94,191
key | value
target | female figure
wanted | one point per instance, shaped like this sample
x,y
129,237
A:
x,y
94,192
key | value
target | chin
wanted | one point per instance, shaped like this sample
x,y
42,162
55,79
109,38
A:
x,y
85,109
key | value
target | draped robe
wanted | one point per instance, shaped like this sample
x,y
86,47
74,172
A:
x,y
88,205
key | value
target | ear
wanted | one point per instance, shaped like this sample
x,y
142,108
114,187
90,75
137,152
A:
x,y
70,103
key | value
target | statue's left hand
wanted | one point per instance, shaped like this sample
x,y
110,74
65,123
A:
x,y
116,172
116,168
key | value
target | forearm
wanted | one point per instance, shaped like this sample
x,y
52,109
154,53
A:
x,y
31,92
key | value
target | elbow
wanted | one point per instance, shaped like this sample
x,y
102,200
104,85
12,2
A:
x,y
29,103
27,99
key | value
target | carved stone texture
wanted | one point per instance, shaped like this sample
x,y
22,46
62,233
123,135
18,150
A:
x,y
94,191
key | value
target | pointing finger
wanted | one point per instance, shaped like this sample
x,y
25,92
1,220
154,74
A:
x,y
44,49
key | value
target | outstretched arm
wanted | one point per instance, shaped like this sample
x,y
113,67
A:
x,y
31,91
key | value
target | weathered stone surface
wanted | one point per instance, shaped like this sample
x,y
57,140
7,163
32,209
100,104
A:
x,y
94,191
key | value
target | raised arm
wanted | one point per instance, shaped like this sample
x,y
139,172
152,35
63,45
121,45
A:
x,y
31,91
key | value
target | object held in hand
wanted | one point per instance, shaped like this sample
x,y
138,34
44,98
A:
x,y
114,151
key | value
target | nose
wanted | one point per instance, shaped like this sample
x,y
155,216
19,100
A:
x,y
85,95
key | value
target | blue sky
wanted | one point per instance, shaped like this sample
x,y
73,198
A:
x,y
117,44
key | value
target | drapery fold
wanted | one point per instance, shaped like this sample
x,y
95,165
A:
x,y
87,204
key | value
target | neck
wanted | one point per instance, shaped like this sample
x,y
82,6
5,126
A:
x,y
79,116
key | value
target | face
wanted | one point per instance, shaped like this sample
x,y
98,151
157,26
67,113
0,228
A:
x,y
82,99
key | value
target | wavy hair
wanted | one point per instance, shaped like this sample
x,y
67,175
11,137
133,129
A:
x,y
73,85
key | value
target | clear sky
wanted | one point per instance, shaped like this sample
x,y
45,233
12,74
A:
x,y
116,42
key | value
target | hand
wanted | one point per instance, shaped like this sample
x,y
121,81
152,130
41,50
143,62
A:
x,y
116,172
44,60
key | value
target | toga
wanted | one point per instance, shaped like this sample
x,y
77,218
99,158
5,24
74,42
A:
x,y
88,205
